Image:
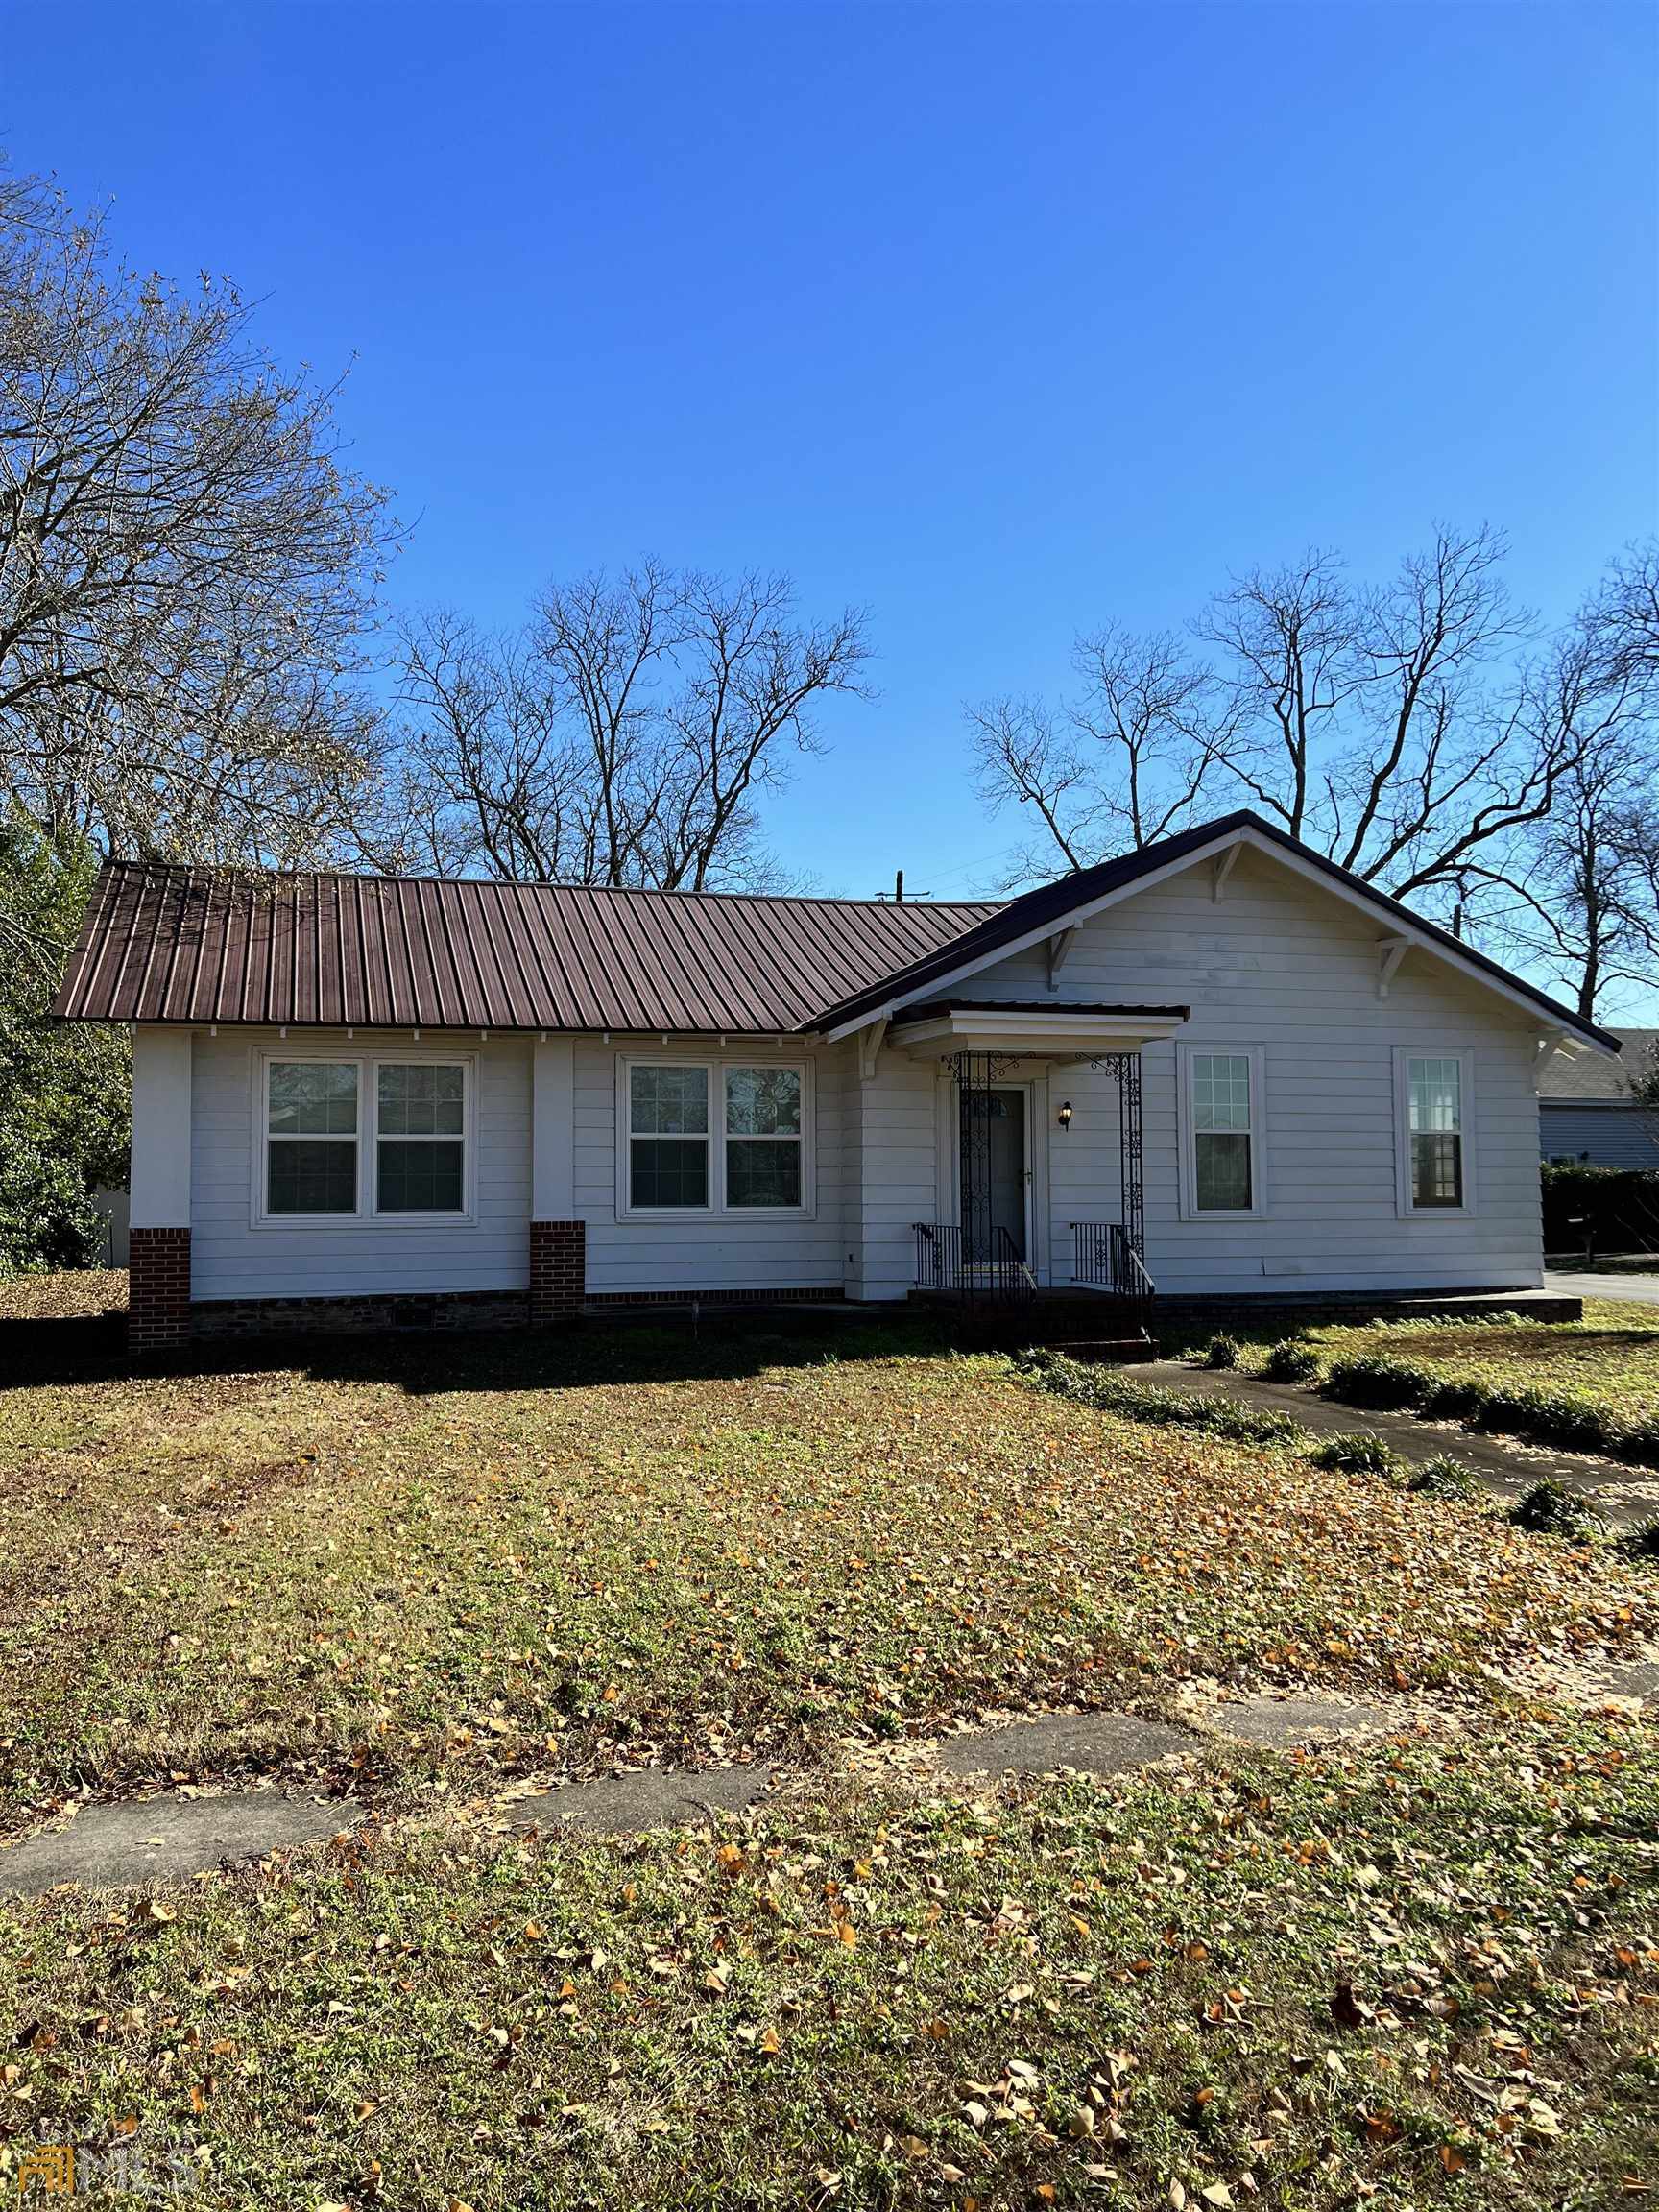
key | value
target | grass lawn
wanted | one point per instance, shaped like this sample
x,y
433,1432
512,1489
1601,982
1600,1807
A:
x,y
1417,1971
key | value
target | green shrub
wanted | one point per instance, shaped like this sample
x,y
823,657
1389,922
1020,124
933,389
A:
x,y
1549,1508
1292,1360
1357,1452
1444,1477
1643,1542
1223,1352
1637,1442
1377,1380
1453,1398
1109,1392
1548,1417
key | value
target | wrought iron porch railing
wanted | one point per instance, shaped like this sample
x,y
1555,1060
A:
x,y
1002,1277
1103,1255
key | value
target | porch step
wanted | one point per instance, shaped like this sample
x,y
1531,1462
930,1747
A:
x,y
1103,1350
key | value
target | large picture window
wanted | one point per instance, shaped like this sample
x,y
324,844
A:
x,y
363,1139
713,1137
1221,1114
1431,1109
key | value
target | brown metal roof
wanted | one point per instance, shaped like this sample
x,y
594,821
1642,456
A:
x,y
186,945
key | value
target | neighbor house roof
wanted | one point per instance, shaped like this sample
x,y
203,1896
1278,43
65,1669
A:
x,y
1587,1079
201,946
188,945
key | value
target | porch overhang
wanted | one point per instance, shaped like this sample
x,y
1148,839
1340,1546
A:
x,y
1064,1035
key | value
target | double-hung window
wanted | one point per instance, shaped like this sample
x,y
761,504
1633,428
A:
x,y
668,1136
363,1139
713,1137
1431,1111
311,1137
763,1137
1222,1113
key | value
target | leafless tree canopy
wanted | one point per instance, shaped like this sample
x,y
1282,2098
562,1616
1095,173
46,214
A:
x,y
1418,731
622,737
185,564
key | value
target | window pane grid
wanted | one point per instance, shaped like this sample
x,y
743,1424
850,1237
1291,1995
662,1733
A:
x,y
1223,1165
1435,1126
312,1131
762,1138
671,1161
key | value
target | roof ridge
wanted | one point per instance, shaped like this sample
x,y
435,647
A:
x,y
218,871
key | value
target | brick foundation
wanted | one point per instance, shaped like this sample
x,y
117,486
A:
x,y
558,1270
446,1312
600,1300
157,1291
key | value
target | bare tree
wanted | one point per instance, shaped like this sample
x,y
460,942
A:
x,y
1583,887
186,566
1123,762
1387,727
621,738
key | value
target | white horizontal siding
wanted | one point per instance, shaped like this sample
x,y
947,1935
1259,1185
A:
x,y
700,1251
230,1258
1280,964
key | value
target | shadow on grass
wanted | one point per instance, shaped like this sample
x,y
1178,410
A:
x,y
91,1349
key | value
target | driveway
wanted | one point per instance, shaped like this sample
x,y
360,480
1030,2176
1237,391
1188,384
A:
x,y
1634,1290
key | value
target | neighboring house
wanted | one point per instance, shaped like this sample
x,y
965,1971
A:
x,y
1585,1110
1222,1060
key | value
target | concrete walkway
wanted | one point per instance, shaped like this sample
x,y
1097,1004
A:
x,y
138,1842
1627,1495
1634,1290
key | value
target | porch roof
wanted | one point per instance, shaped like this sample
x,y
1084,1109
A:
x,y
1031,1027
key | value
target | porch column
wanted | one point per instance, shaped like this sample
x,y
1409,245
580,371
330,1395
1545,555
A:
x,y
557,1240
159,1274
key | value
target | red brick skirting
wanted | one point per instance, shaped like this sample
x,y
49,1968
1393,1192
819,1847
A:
x,y
376,1313
828,1295
159,1291
558,1270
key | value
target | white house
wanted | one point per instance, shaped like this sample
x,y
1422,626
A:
x,y
1221,1065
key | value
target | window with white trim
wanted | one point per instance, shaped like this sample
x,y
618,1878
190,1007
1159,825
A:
x,y
713,1137
311,1137
1221,1111
364,1139
764,1138
1432,1104
668,1136
420,1137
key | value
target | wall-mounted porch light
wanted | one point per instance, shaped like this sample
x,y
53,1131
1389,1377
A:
x,y
1065,1114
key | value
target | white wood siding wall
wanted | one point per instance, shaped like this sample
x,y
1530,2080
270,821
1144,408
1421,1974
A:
x,y
1275,963
700,1251
896,1115
231,1259
1279,964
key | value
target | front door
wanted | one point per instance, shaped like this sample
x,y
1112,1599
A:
x,y
993,1173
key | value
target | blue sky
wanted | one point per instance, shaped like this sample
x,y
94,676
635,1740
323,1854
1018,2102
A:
x,y
1000,321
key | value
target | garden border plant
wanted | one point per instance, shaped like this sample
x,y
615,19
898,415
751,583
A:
x,y
1379,1381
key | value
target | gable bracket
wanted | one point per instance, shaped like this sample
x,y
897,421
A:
x,y
1059,944
1225,863
869,1042
1390,951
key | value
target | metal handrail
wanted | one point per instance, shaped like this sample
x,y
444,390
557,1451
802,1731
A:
x,y
1105,1256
